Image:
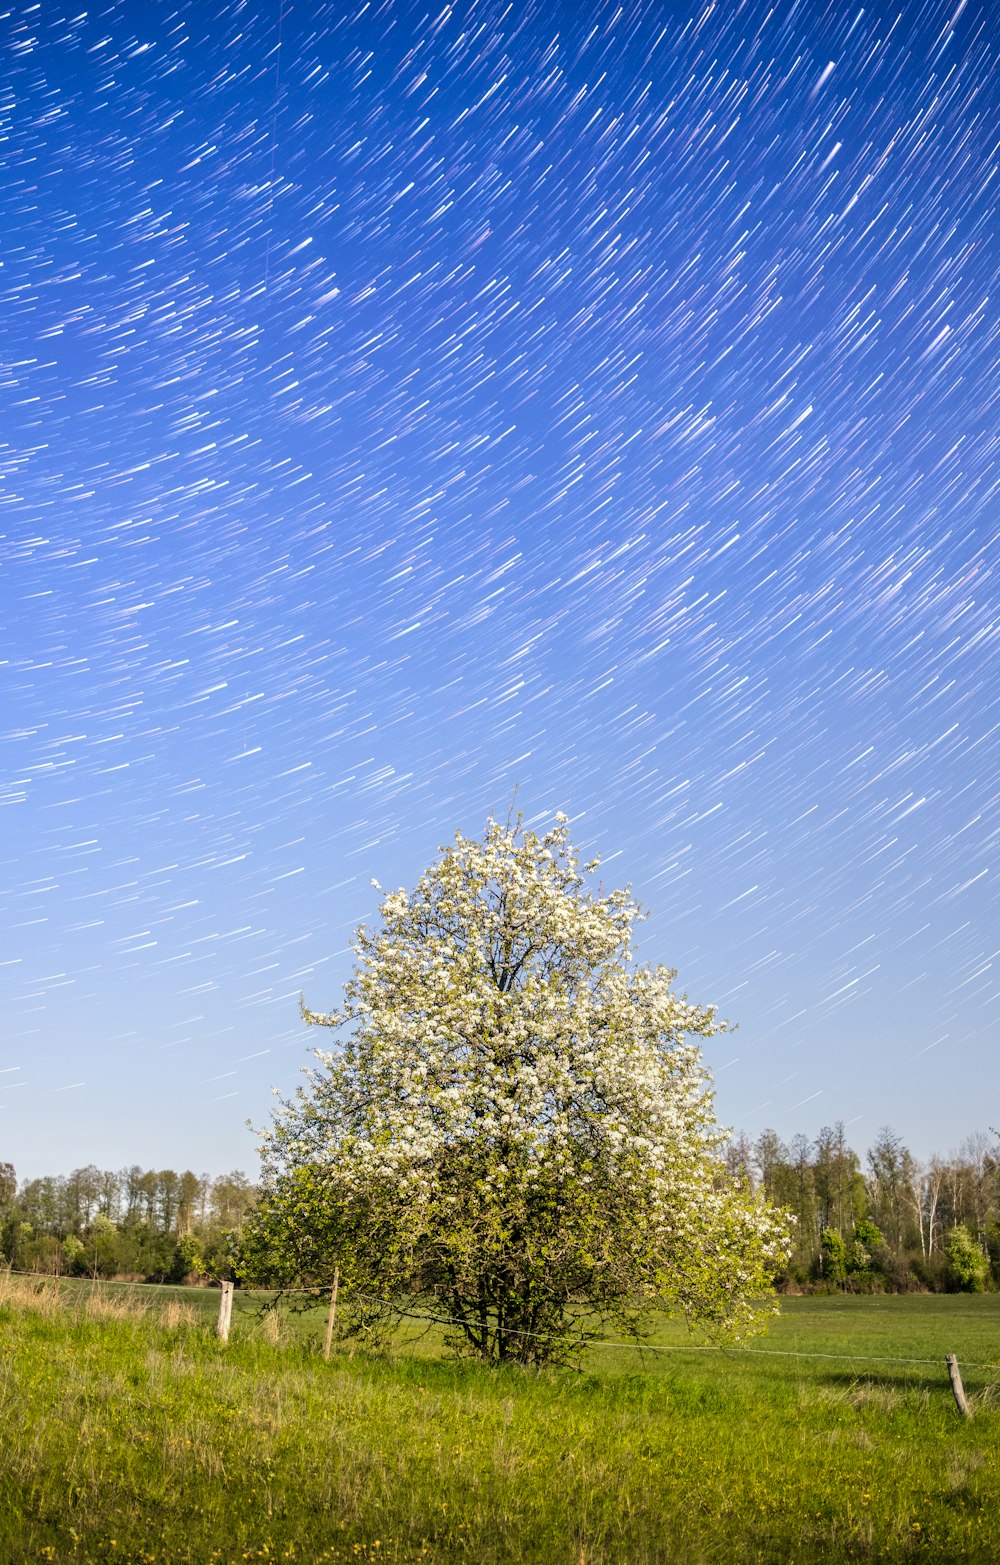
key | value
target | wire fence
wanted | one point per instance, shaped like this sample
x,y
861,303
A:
x,y
256,1301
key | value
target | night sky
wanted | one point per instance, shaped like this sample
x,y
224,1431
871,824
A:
x,y
401,404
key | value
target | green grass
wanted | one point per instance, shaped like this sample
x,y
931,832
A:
x,y
130,1434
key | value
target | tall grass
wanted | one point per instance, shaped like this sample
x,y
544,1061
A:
x,y
131,1434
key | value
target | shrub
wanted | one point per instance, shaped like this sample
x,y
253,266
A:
x,y
833,1255
968,1267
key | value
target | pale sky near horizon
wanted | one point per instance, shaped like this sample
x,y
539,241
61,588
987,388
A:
x,y
402,404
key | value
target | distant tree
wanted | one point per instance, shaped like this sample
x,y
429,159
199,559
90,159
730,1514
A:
x,y
959,1201
148,1198
867,1254
516,1121
917,1203
189,1196
18,1238
801,1200
889,1184
786,1176
83,1193
934,1183
739,1158
833,1253
109,1195
771,1160
837,1180
74,1253
978,1153
168,1190
101,1254
43,1207
232,1197
132,1194
188,1261
968,1267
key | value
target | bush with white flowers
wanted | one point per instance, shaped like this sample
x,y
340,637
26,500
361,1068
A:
x,y
516,1126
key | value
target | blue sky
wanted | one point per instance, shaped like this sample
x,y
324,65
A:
x,y
402,405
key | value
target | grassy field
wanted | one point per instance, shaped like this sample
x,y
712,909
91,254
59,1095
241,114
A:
x,y
130,1434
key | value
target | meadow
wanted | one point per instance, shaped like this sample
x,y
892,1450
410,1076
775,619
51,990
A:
x,y
131,1434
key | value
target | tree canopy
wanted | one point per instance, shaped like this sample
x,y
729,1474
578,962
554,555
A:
x,y
515,1122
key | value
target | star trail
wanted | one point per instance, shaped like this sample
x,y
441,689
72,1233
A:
x,y
404,404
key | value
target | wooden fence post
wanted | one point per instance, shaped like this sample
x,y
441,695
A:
x,y
956,1385
332,1313
225,1312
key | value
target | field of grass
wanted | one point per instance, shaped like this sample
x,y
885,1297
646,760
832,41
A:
x,y
130,1434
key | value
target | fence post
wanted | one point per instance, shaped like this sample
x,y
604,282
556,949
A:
x,y
956,1385
225,1312
332,1313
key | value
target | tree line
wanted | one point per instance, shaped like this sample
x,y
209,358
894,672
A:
x,y
888,1223
154,1225
885,1223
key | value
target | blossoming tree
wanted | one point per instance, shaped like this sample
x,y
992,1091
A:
x,y
516,1122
